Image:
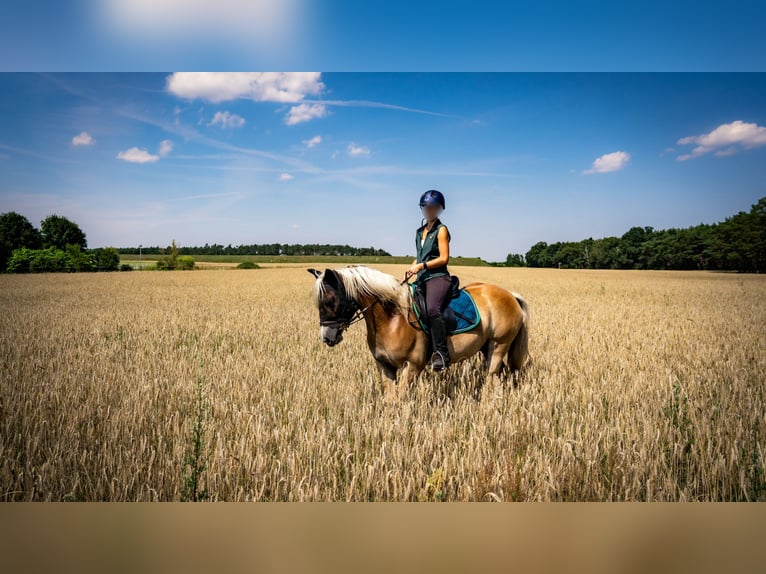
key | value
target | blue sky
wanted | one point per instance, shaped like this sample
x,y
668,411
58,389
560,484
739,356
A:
x,y
540,35
343,157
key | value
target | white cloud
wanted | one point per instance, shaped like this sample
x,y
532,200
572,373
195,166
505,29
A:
x,y
285,177
166,146
726,151
614,161
305,112
284,87
179,25
83,138
724,140
358,150
136,155
315,141
227,120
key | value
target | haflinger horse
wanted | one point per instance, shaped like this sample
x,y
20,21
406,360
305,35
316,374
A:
x,y
398,344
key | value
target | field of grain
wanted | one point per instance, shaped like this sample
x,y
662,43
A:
x,y
213,385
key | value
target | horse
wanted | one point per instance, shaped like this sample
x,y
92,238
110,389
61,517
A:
x,y
398,344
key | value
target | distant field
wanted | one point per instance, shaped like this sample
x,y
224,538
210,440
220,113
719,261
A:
x,y
461,261
212,385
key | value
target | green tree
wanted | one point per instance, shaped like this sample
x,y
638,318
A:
x,y
59,232
515,260
632,241
16,232
537,256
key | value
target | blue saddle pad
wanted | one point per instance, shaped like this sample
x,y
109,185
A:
x,y
465,310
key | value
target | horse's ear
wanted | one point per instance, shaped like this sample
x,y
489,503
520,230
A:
x,y
330,277
314,272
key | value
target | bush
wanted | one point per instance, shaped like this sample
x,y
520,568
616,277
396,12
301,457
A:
x,y
106,259
75,259
20,260
248,265
185,262
48,260
126,267
54,260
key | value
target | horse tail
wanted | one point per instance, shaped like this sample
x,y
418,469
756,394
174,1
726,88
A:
x,y
519,349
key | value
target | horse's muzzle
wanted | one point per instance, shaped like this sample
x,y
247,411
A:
x,y
331,336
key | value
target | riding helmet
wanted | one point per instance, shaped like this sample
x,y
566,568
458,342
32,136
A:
x,y
432,197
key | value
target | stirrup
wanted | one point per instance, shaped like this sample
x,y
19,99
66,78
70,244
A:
x,y
438,362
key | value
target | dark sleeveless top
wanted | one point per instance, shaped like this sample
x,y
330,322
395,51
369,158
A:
x,y
428,250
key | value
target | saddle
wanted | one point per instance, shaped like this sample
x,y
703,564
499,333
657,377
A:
x,y
460,315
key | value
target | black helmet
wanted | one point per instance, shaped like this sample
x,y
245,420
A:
x,y
432,197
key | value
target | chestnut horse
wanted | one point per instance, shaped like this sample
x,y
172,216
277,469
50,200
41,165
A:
x,y
344,296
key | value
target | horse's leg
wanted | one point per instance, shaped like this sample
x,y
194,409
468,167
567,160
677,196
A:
x,y
497,354
409,373
487,349
387,379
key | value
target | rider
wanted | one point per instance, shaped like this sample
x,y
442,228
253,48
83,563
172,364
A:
x,y
432,248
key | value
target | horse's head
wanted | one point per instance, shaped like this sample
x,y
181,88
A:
x,y
336,308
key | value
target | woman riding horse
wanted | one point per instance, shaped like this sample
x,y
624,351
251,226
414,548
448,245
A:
x,y
360,293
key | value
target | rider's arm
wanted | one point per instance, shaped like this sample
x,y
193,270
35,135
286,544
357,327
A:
x,y
443,258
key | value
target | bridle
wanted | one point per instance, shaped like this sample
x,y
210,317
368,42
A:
x,y
357,313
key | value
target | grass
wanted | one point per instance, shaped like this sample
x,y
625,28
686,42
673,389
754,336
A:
x,y
214,386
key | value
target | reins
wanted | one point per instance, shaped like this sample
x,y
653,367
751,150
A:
x,y
359,313
413,323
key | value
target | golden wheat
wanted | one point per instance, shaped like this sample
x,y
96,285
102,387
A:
x,y
214,385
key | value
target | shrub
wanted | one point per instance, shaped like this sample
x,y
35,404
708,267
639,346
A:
x,y
20,260
248,265
126,267
39,261
105,259
184,262
54,260
74,259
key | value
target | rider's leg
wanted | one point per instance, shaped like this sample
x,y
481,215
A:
x,y
436,291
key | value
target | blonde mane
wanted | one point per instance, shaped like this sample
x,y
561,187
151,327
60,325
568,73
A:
x,y
360,281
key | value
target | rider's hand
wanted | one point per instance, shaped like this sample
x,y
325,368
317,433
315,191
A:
x,y
413,270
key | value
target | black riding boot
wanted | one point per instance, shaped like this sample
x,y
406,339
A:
x,y
440,360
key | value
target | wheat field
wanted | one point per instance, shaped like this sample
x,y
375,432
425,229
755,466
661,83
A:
x,y
214,385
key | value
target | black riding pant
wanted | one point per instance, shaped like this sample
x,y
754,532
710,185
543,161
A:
x,y
436,290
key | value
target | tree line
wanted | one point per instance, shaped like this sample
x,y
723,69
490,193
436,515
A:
x,y
264,249
58,246
736,244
